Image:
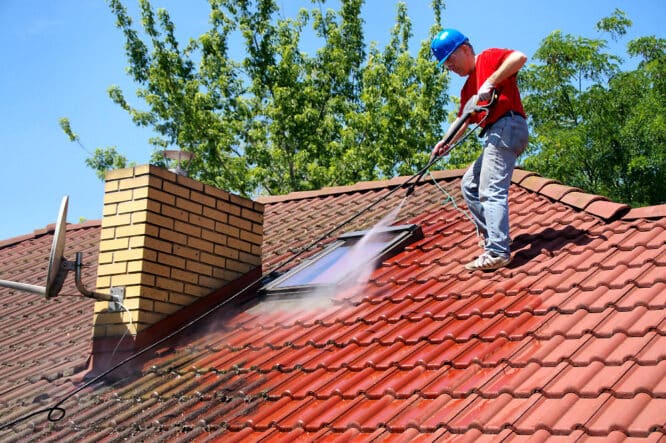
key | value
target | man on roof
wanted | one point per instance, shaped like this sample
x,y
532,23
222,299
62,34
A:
x,y
485,185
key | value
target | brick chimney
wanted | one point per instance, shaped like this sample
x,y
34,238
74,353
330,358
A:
x,y
169,241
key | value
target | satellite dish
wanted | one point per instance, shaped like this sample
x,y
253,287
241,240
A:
x,y
58,267
55,274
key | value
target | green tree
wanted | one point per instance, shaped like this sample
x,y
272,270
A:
x,y
281,119
593,125
103,159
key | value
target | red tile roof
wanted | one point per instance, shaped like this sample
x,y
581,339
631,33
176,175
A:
x,y
567,343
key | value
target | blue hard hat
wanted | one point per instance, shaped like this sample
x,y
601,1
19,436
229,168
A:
x,y
445,42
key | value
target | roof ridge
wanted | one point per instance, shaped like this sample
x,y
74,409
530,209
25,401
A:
x,y
48,229
577,198
594,204
356,187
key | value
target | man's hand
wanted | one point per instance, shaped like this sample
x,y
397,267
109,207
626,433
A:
x,y
486,91
439,150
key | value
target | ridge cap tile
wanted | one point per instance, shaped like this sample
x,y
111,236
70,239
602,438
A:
x,y
520,174
556,190
656,211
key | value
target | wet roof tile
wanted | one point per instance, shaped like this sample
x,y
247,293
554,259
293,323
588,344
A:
x,y
567,342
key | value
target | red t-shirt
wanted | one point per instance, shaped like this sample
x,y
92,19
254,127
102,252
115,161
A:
x,y
509,97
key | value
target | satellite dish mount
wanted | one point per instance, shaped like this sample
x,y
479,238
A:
x,y
58,268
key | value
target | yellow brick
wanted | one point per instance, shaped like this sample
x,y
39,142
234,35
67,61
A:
x,y
174,189
136,303
148,318
117,174
99,331
250,259
213,260
132,279
152,243
132,291
168,284
252,216
239,245
146,292
199,268
116,220
204,222
240,201
156,171
240,223
224,228
174,213
186,252
117,197
129,254
103,283
171,260
172,236
158,220
156,269
166,308
160,196
189,206
226,275
215,215
187,229
110,186
203,199
134,266
250,237
110,209
224,251
238,266
114,318
189,183
105,257
201,245
181,299
112,269
112,245
140,181
119,330
216,193
131,230
100,306
141,193
210,282
228,208
155,294
196,291
107,234
132,206
181,276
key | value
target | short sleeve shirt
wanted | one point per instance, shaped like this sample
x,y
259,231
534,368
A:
x,y
487,62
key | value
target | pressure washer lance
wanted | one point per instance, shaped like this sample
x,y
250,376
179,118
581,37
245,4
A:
x,y
471,107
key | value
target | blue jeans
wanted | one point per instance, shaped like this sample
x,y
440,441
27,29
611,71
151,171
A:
x,y
485,185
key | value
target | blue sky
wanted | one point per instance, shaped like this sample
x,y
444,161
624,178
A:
x,y
61,56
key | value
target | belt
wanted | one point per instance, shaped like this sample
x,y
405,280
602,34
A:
x,y
506,114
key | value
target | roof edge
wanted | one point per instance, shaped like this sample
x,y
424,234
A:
x,y
48,229
593,204
356,187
